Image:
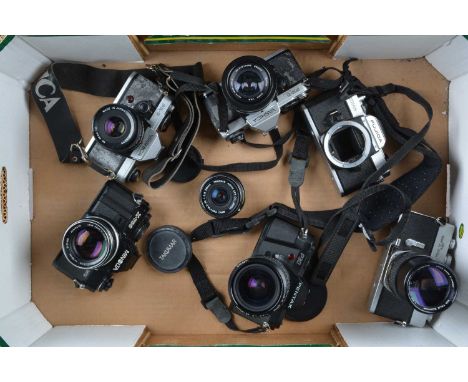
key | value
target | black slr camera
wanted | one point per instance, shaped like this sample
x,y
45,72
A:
x,y
256,91
351,140
103,240
413,280
271,284
126,132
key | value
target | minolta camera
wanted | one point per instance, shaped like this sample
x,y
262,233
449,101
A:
x,y
271,284
127,131
102,242
414,279
255,91
351,140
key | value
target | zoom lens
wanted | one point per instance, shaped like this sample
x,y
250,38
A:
x,y
90,243
259,285
222,195
249,84
347,144
429,286
118,128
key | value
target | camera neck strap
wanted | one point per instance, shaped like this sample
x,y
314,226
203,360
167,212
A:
x,y
48,95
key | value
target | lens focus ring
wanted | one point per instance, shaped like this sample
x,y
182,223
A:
x,y
222,195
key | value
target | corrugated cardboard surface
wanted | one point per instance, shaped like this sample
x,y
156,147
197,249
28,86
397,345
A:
x,y
168,303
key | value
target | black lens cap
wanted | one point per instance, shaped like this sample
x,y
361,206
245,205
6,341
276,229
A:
x,y
169,249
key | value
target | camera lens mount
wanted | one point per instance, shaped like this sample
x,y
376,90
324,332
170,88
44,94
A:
x,y
222,195
118,128
347,144
90,243
259,285
249,84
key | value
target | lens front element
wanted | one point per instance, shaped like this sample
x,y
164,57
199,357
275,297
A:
x,y
259,285
430,288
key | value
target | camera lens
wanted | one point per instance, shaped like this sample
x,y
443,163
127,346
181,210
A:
x,y
90,243
118,128
222,195
347,144
249,84
259,285
429,286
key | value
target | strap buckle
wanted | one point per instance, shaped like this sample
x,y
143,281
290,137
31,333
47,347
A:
x,y
369,237
219,309
259,217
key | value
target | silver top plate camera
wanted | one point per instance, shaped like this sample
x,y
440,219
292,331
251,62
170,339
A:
x,y
127,131
256,91
413,280
351,140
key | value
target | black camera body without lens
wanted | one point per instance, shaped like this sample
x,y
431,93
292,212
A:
x,y
414,279
256,91
351,140
272,283
102,242
127,131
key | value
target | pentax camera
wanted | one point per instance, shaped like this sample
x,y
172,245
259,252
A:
x,y
271,284
414,280
351,140
255,91
127,131
103,240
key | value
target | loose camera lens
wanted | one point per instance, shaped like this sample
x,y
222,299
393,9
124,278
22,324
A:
x,y
89,243
249,84
256,287
222,195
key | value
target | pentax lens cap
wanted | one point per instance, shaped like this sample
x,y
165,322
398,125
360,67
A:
x,y
169,249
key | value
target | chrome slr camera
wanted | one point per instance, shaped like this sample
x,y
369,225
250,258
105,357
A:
x,y
255,91
414,280
351,140
126,132
103,240
271,284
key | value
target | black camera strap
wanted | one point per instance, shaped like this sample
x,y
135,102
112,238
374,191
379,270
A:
x,y
48,95
212,300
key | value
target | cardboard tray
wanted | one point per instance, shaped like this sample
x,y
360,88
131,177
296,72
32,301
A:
x,y
168,303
